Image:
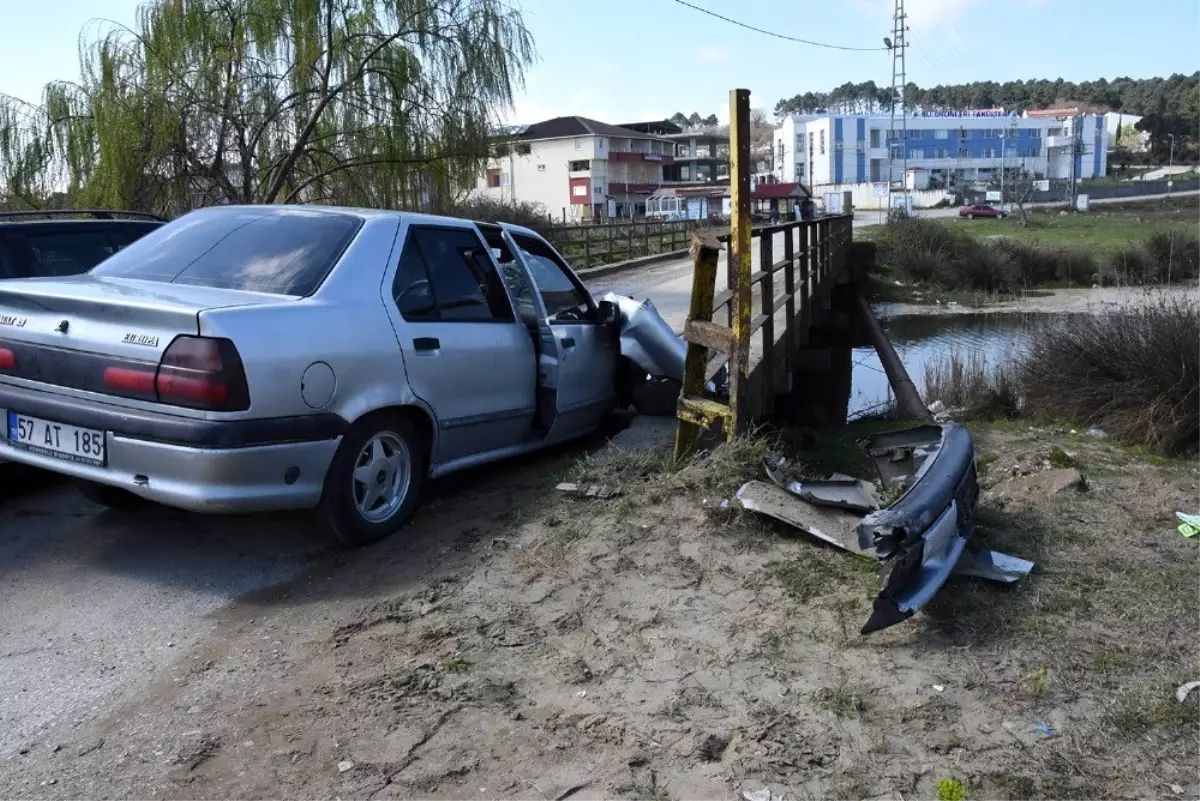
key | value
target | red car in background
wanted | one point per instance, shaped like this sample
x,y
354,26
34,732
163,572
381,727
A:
x,y
979,210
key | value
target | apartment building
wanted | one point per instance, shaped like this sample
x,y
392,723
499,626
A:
x,y
701,156
955,148
578,168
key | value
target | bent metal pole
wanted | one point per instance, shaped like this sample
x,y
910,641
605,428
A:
x,y
907,396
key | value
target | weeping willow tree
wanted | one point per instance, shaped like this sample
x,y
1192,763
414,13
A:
x,y
385,103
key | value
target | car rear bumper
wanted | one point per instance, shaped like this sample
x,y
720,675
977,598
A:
x,y
194,464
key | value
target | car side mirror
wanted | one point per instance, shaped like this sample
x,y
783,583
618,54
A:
x,y
609,313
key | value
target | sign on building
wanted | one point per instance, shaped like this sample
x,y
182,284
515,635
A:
x,y
993,196
880,189
1041,186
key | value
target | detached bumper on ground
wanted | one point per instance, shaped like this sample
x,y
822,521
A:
x,y
921,539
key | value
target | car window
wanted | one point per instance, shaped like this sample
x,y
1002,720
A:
x,y
66,252
124,235
564,301
446,274
281,251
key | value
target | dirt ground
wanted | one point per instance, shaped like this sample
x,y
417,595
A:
x,y
516,643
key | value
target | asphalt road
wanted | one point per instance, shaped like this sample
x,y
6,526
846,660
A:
x,y
94,603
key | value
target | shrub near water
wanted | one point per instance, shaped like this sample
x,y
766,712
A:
x,y
1166,257
929,251
1134,373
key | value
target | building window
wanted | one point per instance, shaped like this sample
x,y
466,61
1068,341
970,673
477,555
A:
x,y
989,153
942,153
579,166
978,133
541,168
822,142
523,150
723,151
505,179
702,152
600,142
799,172
579,190
493,179
810,141
874,137
941,134
599,190
1035,133
1034,152
682,151
578,144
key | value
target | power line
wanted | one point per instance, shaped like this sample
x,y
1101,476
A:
x,y
776,35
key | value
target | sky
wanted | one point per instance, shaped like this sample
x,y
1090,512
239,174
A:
x,y
627,60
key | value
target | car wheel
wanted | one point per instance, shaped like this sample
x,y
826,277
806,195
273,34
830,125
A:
x,y
112,497
374,480
970,216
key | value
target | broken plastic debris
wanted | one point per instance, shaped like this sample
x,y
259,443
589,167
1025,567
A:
x,y
1189,525
1181,693
757,795
601,491
992,565
937,688
345,765
1097,432
1043,728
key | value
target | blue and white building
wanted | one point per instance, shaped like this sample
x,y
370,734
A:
x,y
945,149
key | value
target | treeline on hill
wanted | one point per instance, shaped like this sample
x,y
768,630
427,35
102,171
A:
x,y
1168,105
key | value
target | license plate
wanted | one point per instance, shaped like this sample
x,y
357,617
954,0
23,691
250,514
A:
x,y
61,441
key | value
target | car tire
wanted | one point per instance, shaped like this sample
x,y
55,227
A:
x,y
374,481
970,216
114,498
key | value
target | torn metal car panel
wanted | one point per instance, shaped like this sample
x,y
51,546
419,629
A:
x,y
920,540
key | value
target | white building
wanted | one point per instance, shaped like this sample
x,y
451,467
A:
x,y
574,166
1123,125
969,147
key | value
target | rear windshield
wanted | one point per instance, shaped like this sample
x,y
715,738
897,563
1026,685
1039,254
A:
x,y
281,251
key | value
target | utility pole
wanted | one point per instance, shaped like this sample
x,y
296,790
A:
x,y
898,45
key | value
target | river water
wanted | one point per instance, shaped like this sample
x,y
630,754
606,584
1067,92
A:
x,y
996,337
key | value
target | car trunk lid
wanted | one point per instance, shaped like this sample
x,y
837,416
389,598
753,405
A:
x,y
67,331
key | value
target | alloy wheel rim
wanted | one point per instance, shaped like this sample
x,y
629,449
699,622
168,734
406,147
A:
x,y
382,476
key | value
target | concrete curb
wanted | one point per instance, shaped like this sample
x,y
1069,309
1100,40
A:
x,y
629,264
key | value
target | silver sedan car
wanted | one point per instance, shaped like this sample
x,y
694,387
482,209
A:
x,y
267,357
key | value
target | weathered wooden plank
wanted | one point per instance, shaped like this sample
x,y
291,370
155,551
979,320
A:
x,y
739,254
710,335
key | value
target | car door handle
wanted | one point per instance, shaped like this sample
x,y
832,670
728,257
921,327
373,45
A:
x,y
427,343
568,342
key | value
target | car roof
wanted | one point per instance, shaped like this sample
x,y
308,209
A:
x,y
371,214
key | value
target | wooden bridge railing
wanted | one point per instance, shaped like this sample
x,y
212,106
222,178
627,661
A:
x,y
757,340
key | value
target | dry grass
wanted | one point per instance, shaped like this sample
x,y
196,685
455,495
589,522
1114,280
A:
x,y
1136,374
969,382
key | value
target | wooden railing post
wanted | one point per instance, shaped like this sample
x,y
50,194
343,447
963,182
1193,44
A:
x,y
739,255
587,247
789,306
766,260
609,226
694,412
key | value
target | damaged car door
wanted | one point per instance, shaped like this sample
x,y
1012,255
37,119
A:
x,y
582,348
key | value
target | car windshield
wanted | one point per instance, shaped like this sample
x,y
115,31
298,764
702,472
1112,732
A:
x,y
280,251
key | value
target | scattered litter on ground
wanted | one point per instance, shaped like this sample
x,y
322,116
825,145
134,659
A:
x,y
1182,692
1189,525
1096,432
757,795
601,491
1176,789
1044,728
345,765
937,688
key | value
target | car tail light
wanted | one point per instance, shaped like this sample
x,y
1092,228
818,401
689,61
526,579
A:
x,y
8,359
202,373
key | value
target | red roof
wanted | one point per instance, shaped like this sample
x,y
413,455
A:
x,y
778,191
